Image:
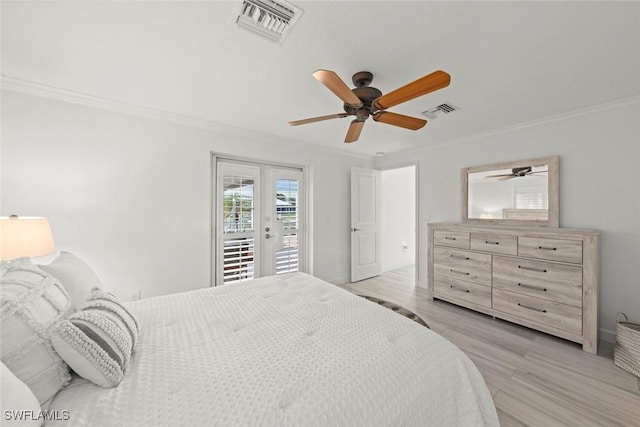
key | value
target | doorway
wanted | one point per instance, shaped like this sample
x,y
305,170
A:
x,y
259,220
383,222
398,219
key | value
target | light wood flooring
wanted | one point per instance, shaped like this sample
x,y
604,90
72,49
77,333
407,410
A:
x,y
535,379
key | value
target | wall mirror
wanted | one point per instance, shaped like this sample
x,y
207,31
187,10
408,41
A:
x,y
523,192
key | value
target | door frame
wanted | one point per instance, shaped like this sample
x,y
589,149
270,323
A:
x,y
307,248
418,220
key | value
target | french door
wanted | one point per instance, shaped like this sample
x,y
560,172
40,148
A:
x,y
259,221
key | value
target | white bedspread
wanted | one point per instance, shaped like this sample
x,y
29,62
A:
x,y
282,351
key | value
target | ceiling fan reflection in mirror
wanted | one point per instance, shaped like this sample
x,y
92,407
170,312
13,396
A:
x,y
364,101
517,172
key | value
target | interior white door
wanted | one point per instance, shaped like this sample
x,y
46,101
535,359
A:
x,y
365,223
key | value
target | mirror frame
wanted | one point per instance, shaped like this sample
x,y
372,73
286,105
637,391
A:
x,y
553,217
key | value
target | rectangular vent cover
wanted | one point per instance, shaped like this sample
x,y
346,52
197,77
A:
x,y
272,20
445,108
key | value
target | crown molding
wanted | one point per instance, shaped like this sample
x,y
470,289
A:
x,y
16,84
598,108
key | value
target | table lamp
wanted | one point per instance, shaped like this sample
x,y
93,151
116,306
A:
x,y
25,237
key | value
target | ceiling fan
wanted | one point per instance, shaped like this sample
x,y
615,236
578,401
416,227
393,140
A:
x,y
364,101
515,173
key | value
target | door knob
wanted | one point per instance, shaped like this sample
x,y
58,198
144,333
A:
x,y
355,229
267,236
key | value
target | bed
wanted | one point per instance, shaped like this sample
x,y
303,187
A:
x,y
289,350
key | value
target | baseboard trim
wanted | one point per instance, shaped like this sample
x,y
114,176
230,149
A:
x,y
608,336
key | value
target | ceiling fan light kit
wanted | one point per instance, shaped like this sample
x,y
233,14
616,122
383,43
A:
x,y
364,100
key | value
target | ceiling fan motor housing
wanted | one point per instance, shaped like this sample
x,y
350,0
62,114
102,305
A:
x,y
365,93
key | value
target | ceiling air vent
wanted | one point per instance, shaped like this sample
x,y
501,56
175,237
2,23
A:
x,y
446,108
270,19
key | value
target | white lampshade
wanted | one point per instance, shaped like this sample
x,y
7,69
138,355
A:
x,y
25,237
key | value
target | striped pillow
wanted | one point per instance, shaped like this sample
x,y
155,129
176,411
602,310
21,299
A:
x,y
98,341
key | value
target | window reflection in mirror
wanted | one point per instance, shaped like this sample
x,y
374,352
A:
x,y
515,193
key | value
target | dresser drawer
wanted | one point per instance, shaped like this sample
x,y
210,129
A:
x,y
462,265
553,314
454,239
551,249
495,243
462,290
554,282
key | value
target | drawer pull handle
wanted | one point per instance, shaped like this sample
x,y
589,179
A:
x,y
532,308
459,272
544,248
449,238
466,290
460,257
491,243
537,288
539,270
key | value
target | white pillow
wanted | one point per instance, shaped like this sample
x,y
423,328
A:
x,y
19,405
31,302
76,277
97,342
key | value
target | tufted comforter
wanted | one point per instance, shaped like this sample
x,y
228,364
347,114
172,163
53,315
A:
x,y
282,351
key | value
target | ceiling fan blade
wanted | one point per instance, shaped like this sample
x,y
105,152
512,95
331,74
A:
x,y
422,86
335,84
353,133
400,120
506,178
498,176
318,119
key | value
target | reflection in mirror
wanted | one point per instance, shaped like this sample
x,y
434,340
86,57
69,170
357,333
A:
x,y
523,192
515,193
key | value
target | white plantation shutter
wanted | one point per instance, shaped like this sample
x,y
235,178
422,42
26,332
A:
x,y
528,199
287,212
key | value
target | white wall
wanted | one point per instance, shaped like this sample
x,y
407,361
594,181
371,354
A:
x,y
132,195
599,187
398,218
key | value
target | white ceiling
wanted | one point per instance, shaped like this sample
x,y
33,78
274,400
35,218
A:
x,y
510,62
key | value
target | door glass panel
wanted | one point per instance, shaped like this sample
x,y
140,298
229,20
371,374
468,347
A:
x,y
287,212
238,225
238,204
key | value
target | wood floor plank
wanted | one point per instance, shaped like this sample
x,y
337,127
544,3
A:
x,y
507,420
535,379
595,366
524,412
619,405
559,399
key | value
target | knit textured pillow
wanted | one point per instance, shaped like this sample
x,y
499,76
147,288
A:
x,y
98,341
75,275
31,302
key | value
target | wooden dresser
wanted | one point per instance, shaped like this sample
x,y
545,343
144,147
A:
x,y
543,278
